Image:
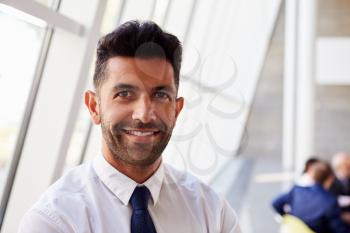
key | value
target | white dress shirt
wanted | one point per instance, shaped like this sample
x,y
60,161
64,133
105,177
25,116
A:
x,y
305,180
94,197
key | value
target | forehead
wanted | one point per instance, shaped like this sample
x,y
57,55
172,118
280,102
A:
x,y
147,72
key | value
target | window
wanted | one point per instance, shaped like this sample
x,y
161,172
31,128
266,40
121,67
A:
x,y
47,3
20,44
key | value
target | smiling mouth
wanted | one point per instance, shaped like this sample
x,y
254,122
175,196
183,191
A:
x,y
142,133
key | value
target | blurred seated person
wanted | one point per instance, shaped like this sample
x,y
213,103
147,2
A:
x,y
314,205
341,184
341,166
306,180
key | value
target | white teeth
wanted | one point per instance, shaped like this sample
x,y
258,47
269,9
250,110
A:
x,y
140,133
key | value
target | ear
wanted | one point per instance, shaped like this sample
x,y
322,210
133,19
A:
x,y
179,105
91,102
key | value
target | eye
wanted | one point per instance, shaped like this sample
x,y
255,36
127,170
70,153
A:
x,y
123,94
161,95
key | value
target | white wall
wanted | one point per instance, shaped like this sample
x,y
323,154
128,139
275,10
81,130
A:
x,y
333,61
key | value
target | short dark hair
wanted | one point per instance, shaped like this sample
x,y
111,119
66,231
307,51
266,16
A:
x,y
137,39
311,161
322,171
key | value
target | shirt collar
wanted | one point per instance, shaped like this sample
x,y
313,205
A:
x,y
123,186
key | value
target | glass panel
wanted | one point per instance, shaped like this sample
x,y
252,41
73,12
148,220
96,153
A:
x,y
48,3
77,143
110,18
178,16
20,44
160,11
76,149
138,10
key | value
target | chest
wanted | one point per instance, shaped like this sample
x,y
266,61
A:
x,y
169,216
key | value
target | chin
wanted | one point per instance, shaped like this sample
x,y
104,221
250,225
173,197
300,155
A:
x,y
142,163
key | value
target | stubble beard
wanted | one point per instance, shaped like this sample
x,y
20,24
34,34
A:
x,y
131,153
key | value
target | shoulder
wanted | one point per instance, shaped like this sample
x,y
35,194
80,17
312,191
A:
x,y
65,199
187,183
328,200
72,184
192,190
286,198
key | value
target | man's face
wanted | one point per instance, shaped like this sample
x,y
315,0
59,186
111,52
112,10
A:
x,y
137,108
346,167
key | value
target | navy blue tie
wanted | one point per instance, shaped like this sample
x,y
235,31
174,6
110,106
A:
x,y
141,221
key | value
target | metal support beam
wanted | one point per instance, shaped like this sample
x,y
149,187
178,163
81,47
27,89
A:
x,y
46,14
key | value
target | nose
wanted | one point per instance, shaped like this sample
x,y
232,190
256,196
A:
x,y
144,110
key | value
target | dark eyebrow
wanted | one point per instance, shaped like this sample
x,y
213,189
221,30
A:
x,y
164,88
124,86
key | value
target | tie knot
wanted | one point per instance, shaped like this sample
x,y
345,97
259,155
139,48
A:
x,y
139,198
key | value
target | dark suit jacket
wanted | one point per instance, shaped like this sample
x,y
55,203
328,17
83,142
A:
x,y
339,188
315,206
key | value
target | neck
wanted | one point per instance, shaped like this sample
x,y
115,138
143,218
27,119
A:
x,y
135,172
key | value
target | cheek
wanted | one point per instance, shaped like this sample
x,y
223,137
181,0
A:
x,y
115,114
167,115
